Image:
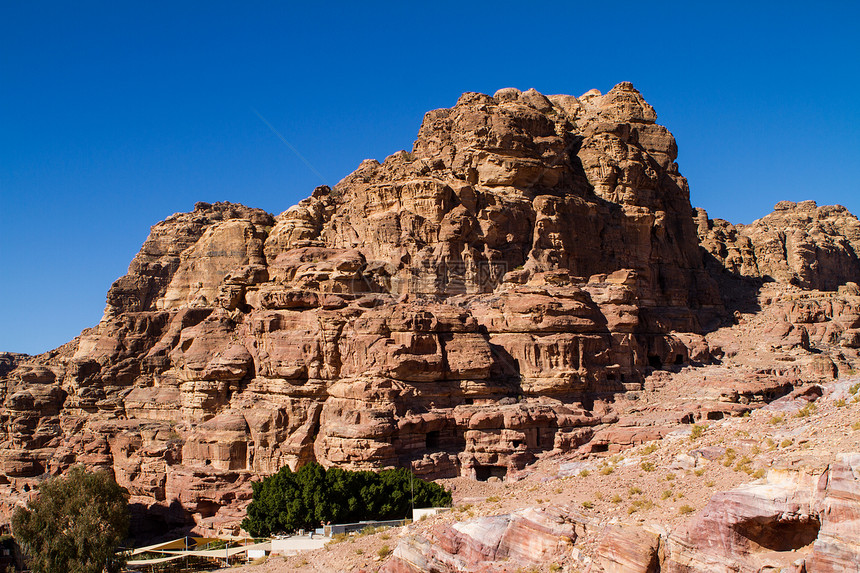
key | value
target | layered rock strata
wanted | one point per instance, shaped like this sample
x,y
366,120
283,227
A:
x,y
460,309
801,244
530,537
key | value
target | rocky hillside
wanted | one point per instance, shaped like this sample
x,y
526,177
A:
x,y
757,493
489,299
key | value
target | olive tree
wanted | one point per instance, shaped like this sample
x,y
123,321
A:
x,y
75,525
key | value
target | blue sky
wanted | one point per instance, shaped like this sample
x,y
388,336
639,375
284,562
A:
x,y
114,115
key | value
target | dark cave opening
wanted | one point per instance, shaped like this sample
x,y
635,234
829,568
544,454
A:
x,y
483,473
781,535
431,440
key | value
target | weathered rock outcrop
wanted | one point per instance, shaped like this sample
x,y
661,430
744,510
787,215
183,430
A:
x,y
526,538
799,243
795,519
146,285
460,309
803,518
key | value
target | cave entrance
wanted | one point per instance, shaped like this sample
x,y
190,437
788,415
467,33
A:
x,y
431,440
483,473
781,535
655,362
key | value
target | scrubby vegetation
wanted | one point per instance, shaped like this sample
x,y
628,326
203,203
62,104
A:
x,y
289,500
75,525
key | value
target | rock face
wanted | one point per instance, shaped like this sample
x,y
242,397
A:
x,y
803,518
799,243
527,538
629,549
792,521
460,309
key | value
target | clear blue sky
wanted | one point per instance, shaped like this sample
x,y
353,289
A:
x,y
113,115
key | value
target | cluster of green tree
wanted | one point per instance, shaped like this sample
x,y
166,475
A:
x,y
290,500
75,525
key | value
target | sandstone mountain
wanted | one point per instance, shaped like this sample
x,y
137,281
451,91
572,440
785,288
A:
x,y
463,309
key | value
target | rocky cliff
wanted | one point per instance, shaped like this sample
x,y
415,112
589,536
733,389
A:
x,y
462,309
799,243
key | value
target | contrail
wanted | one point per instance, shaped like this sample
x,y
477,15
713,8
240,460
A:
x,y
288,144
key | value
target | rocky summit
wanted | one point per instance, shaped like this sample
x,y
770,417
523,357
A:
x,y
499,295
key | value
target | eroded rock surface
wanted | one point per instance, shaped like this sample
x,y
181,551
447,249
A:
x,y
799,243
526,538
463,309
800,520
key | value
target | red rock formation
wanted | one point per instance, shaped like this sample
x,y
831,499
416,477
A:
x,y
800,519
460,309
747,528
837,502
488,544
799,243
795,520
629,549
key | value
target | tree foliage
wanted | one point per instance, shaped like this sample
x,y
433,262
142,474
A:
x,y
75,525
290,500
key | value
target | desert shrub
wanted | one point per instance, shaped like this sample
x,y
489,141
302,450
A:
x,y
75,525
807,410
743,465
643,504
649,449
697,431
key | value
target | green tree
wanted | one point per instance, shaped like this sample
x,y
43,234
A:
x,y
289,500
75,525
